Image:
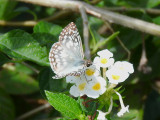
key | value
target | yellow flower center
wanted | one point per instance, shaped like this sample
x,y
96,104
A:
x,y
82,86
104,60
115,77
90,72
97,86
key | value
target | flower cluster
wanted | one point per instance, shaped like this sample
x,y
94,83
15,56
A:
x,y
92,84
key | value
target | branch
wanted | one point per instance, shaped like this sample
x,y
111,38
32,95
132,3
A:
x,y
16,23
85,32
34,111
123,20
124,9
32,23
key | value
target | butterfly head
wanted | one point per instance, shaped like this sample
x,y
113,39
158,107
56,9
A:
x,y
88,63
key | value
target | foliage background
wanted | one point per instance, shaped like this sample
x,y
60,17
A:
x,y
24,67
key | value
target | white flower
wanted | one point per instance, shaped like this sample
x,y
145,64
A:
x,y
96,87
105,53
124,66
92,88
101,115
123,108
104,60
115,75
80,87
92,71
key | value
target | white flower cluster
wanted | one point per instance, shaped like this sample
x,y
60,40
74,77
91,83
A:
x,y
92,84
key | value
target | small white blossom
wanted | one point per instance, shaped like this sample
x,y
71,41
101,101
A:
x,y
91,72
101,115
115,75
123,108
96,87
105,53
105,59
80,87
124,66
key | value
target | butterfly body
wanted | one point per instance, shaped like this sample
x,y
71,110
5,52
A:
x,y
66,56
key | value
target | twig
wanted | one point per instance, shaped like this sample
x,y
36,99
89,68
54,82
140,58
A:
x,y
34,111
30,67
119,40
85,32
95,1
32,23
144,10
110,16
16,23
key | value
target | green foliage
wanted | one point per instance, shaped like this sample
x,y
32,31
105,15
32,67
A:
x,y
19,44
152,106
7,110
156,20
19,82
15,82
3,59
65,104
46,82
6,9
44,27
153,3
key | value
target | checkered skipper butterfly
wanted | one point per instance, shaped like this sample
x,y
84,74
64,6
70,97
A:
x,y
66,56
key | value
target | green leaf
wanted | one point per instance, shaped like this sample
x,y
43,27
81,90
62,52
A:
x,y
156,20
6,9
7,111
3,59
45,27
19,44
153,3
15,82
64,104
46,82
44,39
20,10
23,68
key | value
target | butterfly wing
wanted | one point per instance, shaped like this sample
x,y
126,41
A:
x,y
71,41
66,56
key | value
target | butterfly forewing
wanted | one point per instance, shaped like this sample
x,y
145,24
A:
x,y
71,41
66,56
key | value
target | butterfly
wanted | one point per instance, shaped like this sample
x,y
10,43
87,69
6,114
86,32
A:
x,y
66,56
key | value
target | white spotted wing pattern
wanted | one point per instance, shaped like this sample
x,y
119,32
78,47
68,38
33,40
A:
x,y
66,56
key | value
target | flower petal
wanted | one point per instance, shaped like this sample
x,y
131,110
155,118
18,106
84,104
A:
x,y
105,53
